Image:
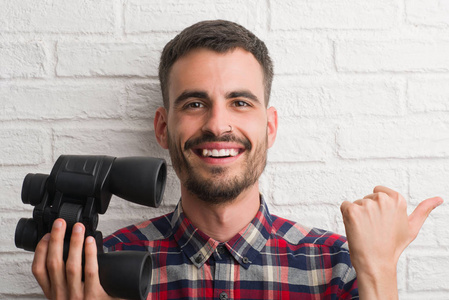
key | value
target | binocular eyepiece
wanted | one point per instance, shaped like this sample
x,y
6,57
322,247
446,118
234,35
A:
x,y
79,188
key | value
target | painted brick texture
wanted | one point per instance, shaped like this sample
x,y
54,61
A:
x,y
361,89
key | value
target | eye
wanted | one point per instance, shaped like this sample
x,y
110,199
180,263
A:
x,y
193,105
241,103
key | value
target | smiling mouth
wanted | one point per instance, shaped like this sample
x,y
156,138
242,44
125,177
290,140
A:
x,y
215,153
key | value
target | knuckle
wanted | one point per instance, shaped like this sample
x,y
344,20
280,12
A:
x,y
37,271
54,264
402,204
90,273
381,196
396,196
351,212
72,268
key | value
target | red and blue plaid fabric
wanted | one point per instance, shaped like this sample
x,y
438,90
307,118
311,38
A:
x,y
272,258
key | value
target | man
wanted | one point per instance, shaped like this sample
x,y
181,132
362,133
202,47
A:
x,y
221,242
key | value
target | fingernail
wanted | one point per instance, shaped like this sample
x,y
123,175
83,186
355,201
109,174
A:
x,y
57,224
77,228
46,237
89,240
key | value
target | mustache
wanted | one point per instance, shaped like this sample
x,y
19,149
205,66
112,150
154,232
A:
x,y
207,138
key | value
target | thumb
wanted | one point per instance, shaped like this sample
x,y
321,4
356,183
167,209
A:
x,y
421,212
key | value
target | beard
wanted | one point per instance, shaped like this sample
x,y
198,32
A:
x,y
218,188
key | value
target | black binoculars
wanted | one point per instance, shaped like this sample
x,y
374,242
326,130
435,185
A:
x,y
79,188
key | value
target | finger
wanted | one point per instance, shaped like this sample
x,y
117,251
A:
x,y
360,201
39,267
421,212
349,210
344,206
371,196
392,193
74,262
55,262
92,280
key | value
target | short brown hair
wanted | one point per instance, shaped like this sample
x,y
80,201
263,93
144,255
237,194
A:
x,y
217,35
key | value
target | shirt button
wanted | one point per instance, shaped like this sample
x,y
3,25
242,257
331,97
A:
x,y
245,260
221,250
223,296
199,258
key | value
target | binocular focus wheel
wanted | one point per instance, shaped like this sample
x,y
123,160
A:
x,y
71,213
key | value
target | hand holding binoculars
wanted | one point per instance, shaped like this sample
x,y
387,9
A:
x,y
79,188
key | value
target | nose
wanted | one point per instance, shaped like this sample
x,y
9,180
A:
x,y
218,121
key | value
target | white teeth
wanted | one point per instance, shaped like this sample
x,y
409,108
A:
x,y
220,153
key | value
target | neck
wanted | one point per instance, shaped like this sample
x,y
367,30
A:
x,y
222,221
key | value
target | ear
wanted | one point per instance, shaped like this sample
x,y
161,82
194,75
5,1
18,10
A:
x,y
160,127
272,127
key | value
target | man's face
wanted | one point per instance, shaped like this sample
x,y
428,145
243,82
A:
x,y
217,128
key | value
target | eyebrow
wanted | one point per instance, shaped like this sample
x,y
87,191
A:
x,y
191,94
203,95
242,94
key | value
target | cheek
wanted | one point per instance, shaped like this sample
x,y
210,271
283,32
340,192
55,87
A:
x,y
254,131
180,133
186,126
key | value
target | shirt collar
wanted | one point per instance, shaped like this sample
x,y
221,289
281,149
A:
x,y
244,246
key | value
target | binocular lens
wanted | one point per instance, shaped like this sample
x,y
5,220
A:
x,y
139,179
125,274
33,188
26,234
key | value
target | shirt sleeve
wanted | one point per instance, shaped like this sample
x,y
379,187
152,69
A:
x,y
349,288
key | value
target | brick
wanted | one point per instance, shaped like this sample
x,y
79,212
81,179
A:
x,y
17,274
434,231
326,14
107,141
12,180
62,101
22,60
330,98
439,215
428,180
300,56
106,59
309,216
434,295
23,146
143,100
149,16
300,141
430,13
392,56
394,139
56,16
426,95
428,273
297,184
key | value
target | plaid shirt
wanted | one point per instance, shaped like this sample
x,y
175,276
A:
x,y
272,258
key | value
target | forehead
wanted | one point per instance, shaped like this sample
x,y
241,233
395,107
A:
x,y
207,70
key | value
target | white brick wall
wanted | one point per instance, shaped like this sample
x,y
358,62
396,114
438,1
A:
x,y
362,90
